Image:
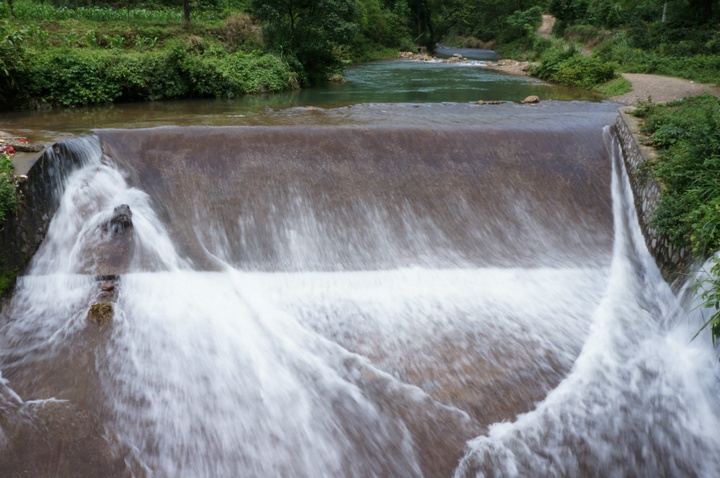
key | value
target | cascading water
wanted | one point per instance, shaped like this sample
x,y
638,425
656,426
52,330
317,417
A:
x,y
642,398
354,301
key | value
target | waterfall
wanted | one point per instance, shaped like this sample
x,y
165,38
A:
x,y
641,399
356,301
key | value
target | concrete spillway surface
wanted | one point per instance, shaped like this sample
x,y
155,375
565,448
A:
x,y
405,300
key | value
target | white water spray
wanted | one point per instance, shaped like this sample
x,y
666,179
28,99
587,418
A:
x,y
641,400
363,373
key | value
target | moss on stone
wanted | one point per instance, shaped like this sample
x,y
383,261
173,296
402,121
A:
x,y
101,313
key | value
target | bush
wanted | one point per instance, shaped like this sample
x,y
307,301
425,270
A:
x,y
214,73
567,66
73,78
687,134
82,77
240,31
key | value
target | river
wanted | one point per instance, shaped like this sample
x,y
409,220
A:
x,y
407,284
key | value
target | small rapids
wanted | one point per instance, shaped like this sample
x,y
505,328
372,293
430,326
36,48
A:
x,y
301,301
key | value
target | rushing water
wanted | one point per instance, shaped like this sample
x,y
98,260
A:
x,y
380,290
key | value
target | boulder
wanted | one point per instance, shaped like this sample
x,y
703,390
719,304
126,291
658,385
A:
x,y
122,219
531,99
109,251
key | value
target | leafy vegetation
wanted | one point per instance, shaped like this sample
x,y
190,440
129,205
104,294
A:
x,y
7,281
687,135
569,67
709,289
309,31
8,195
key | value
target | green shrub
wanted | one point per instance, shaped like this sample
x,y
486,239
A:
x,y
618,86
74,77
81,77
8,195
235,74
687,134
694,58
150,76
567,66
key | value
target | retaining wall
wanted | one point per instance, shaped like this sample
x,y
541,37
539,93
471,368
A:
x,y
21,234
674,263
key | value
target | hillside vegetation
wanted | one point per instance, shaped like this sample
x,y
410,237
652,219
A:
x,y
73,53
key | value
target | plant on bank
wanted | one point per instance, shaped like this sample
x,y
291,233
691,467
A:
x,y
567,66
687,136
8,195
309,33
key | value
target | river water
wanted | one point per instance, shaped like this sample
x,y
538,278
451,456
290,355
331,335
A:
x,y
386,289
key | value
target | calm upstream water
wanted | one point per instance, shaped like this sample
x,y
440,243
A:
x,y
394,289
377,82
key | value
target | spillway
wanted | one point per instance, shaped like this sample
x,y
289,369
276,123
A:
x,y
383,298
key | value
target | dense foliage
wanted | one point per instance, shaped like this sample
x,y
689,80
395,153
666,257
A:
x,y
315,38
309,30
687,135
8,195
569,67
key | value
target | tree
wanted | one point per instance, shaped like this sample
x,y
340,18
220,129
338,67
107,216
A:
x,y
310,31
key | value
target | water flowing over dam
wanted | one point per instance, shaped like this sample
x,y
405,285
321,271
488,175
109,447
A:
x,y
458,294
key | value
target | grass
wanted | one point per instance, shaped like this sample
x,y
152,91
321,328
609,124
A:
x,y
618,86
32,11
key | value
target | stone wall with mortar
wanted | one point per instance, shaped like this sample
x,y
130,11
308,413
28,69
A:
x,y
21,234
674,263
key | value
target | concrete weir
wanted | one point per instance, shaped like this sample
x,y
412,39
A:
x,y
455,289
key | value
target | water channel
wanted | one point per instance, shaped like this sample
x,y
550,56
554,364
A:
x,y
377,278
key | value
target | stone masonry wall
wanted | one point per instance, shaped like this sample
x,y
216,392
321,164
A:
x,y
674,263
21,234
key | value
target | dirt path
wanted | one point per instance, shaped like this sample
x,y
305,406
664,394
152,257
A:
x,y
661,89
548,22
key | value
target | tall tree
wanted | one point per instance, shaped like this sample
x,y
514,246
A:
x,y
309,30
186,10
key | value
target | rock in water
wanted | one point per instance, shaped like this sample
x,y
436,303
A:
x,y
109,250
531,99
122,218
101,313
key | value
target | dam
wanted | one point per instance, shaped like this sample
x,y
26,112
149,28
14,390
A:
x,y
376,290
